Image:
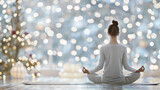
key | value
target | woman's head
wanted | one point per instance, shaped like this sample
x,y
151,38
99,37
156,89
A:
x,y
113,29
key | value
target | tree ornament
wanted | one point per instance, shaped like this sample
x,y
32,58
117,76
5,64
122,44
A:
x,y
18,71
26,33
13,32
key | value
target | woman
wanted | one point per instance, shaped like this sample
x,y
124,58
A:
x,y
113,57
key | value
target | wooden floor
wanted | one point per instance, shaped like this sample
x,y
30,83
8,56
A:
x,y
18,85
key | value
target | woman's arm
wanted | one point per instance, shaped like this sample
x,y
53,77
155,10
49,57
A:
x,y
100,64
125,62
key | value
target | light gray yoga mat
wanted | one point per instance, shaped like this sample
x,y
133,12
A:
x,y
74,83
54,83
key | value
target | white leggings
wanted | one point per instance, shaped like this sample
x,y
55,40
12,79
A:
x,y
128,79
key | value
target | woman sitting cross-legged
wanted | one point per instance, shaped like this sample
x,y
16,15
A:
x,y
113,57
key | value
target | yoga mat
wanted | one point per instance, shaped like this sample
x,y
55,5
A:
x,y
54,83
74,83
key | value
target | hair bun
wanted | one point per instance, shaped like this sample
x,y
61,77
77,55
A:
x,y
114,22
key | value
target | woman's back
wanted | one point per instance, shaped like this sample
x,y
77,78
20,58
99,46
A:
x,y
113,56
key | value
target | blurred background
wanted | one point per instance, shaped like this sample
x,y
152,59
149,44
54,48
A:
x,y
59,37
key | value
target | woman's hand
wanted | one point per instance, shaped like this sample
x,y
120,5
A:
x,y
84,70
140,70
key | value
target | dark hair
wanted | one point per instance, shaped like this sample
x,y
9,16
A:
x,y
113,29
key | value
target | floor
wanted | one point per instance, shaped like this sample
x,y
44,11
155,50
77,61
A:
x,y
80,84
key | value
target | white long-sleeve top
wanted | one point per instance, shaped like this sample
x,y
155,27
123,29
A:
x,y
113,57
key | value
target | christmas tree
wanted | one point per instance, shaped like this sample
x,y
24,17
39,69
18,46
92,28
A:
x,y
15,39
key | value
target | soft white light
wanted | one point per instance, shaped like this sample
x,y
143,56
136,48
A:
x,y
73,41
100,25
97,14
140,16
126,1
149,31
125,8
45,62
48,20
0,60
135,60
61,20
49,31
124,30
152,17
150,11
131,36
77,58
4,5
86,31
89,39
96,52
73,52
49,52
78,47
83,9
74,29
113,11
139,33
28,10
90,20
92,56
55,2
59,35
128,50
40,4
124,41
100,5
158,56
154,36
112,1
151,44
129,25
58,25
93,2
48,7
157,5
76,8
138,9
153,67
77,1
84,48
99,35
153,60
63,42
59,54
45,41
117,3
2,2
69,7
60,64
138,23
83,59
58,9
88,6
106,41
4,11
150,25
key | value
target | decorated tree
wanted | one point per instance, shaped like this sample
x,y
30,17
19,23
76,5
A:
x,y
15,39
